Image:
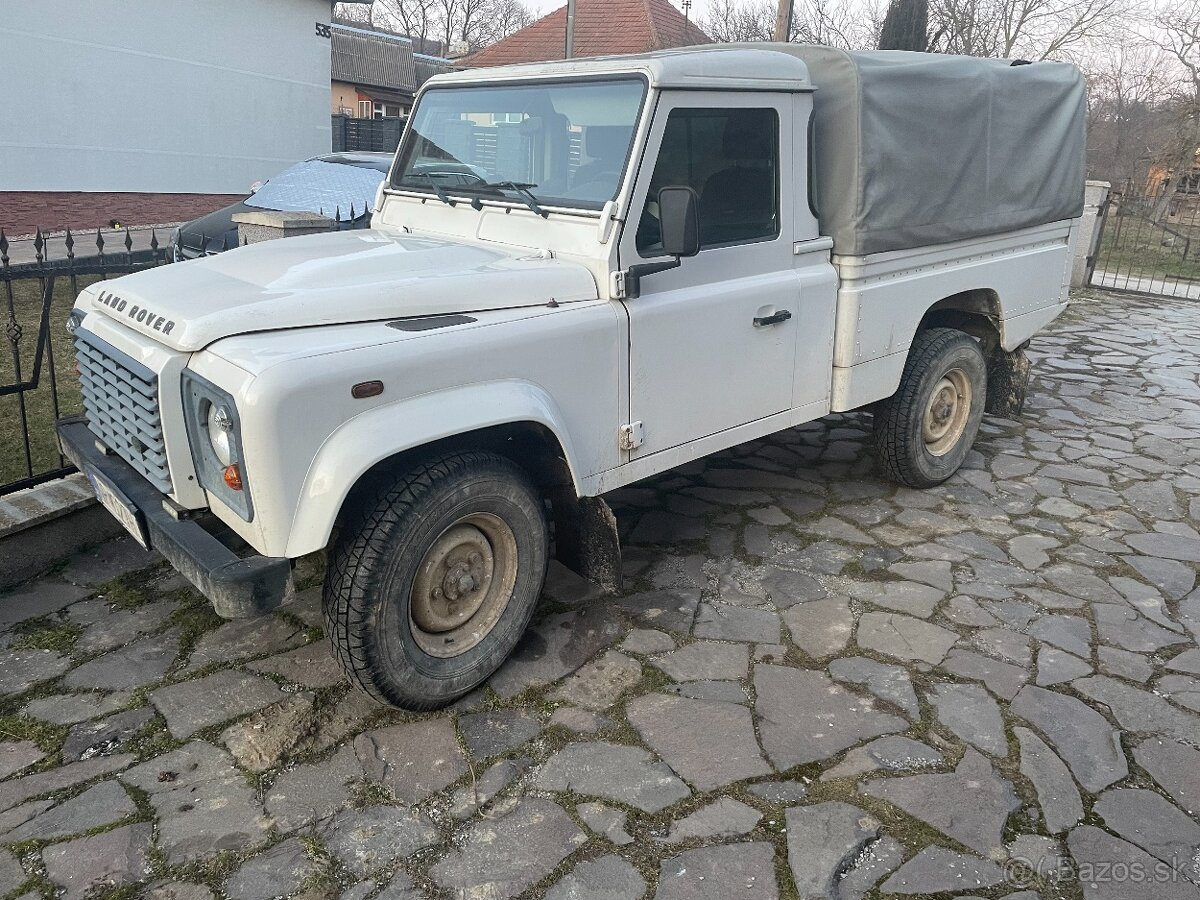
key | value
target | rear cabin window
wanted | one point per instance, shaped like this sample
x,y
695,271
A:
x,y
730,157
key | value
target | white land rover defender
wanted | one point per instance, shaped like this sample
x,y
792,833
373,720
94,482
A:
x,y
579,274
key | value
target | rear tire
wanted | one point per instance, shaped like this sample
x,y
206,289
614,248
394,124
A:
x,y
924,431
434,576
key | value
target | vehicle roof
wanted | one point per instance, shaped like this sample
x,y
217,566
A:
x,y
714,67
381,161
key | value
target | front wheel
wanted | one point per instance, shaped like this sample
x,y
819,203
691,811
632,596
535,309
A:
x,y
434,576
924,430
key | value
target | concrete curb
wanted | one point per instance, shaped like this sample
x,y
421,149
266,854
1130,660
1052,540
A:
x,y
45,524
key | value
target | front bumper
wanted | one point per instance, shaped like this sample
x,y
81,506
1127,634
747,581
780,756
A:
x,y
237,586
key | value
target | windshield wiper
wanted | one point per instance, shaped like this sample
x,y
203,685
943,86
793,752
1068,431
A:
x,y
441,193
521,189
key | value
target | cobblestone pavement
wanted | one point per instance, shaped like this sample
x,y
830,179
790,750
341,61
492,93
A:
x,y
817,685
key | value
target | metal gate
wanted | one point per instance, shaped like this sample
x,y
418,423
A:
x,y
1149,241
39,281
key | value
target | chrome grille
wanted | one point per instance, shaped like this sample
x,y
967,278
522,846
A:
x,y
120,396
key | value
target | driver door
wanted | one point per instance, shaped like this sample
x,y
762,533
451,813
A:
x,y
713,342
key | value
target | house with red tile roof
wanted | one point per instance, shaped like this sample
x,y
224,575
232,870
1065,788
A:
x,y
602,27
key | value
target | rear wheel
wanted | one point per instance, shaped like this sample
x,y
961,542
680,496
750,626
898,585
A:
x,y
434,577
924,431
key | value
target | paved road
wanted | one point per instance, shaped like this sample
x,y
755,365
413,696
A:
x,y
818,685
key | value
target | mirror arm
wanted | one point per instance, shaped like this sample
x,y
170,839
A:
x,y
636,272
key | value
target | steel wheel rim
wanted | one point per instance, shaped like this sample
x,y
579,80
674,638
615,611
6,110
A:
x,y
463,584
946,413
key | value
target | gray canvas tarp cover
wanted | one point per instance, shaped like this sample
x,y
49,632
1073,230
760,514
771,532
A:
x,y
913,149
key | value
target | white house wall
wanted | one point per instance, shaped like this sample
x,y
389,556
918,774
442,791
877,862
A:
x,y
160,96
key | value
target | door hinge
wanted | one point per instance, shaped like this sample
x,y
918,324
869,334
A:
x,y
632,436
617,286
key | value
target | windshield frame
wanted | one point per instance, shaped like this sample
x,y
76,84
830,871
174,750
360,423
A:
x,y
470,196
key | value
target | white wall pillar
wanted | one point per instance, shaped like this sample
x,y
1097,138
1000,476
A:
x,y
1094,195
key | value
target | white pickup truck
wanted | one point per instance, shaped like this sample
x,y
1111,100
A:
x,y
579,274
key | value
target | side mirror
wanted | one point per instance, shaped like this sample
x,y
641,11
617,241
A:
x,y
679,218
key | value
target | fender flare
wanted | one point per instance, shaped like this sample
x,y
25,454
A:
x,y
377,434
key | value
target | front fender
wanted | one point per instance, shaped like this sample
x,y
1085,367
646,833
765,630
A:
x,y
384,431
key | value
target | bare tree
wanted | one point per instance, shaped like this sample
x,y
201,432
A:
x,y
836,23
1178,34
1032,29
467,24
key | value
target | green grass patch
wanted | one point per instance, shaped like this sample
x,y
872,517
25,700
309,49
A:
x,y
49,738
1133,245
45,633
194,618
34,411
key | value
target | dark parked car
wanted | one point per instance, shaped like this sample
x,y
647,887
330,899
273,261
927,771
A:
x,y
339,185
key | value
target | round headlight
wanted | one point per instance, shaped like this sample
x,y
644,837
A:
x,y
220,433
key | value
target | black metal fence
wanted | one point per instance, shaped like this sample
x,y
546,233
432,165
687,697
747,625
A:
x,y
366,135
1149,241
39,281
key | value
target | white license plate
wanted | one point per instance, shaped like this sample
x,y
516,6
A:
x,y
122,510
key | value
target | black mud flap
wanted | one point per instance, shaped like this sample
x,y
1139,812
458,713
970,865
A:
x,y
587,542
1008,382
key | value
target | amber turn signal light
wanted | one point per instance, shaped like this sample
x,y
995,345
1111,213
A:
x,y
233,477
365,389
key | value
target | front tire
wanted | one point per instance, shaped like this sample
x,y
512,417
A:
x,y
434,576
924,431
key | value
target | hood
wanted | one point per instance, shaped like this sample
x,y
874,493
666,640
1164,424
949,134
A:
x,y
332,279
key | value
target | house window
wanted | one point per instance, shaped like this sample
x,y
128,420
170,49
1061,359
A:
x,y
366,109
387,110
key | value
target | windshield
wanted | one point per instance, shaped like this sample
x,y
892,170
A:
x,y
562,144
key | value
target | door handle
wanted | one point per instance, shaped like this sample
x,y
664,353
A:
x,y
782,316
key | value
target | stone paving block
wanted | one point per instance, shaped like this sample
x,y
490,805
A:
x,y
605,821
501,858
1139,710
107,628
22,669
105,562
745,871
280,871
87,865
725,622
1099,852
103,804
1061,804
262,740
313,791
709,744
367,840
1081,736
17,755
241,638
140,663
104,736
1002,679
192,706
724,817
820,627
312,665
414,760
18,790
598,684
1176,768
606,878
823,842
935,870
968,712
791,701
971,804
493,732
38,598
1145,818
624,774
67,709
705,661
887,682
556,647
904,637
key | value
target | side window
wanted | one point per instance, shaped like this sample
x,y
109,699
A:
x,y
730,157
